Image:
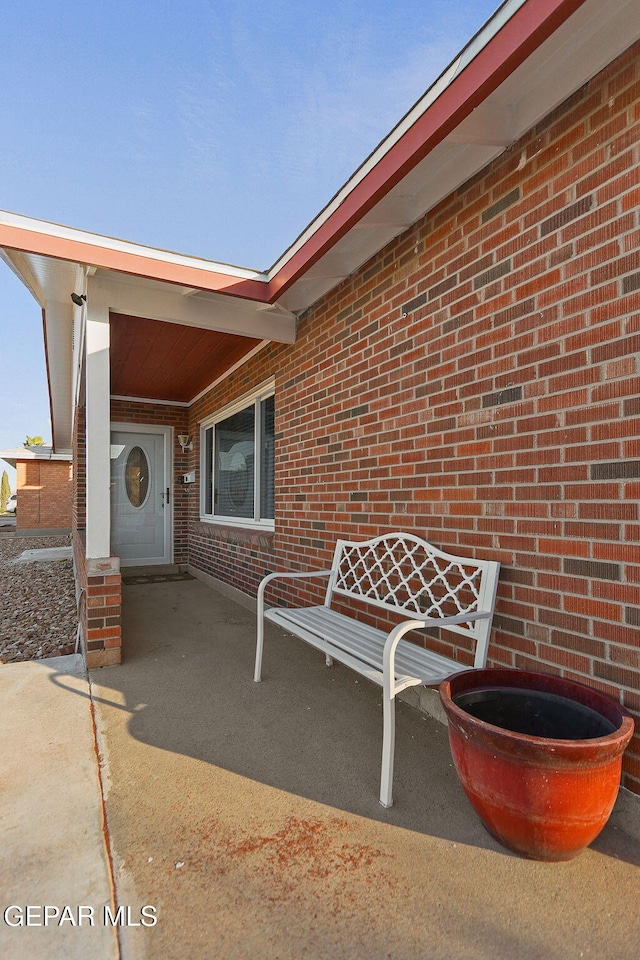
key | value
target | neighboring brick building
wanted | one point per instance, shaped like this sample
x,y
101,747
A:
x,y
44,482
450,348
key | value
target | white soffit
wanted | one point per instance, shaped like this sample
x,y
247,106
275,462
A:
x,y
47,278
582,46
51,282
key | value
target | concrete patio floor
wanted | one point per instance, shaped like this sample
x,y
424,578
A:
x,y
247,815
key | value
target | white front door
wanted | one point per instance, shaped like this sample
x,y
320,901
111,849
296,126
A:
x,y
140,494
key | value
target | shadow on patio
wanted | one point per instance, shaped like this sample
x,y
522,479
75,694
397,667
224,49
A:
x,y
248,813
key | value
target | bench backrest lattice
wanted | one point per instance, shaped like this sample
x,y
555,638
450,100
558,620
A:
x,y
408,575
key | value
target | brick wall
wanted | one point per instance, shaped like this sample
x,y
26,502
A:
x,y
478,382
234,555
44,494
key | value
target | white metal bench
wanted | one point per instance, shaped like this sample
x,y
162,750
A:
x,y
401,574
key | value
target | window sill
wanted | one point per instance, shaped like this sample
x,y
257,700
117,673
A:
x,y
266,527
233,533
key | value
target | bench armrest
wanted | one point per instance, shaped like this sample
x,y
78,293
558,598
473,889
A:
x,y
389,653
264,583
459,618
292,576
303,573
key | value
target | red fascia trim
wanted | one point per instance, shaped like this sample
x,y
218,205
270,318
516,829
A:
x,y
533,23
76,251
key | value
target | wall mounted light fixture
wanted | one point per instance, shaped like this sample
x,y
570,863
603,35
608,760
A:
x,y
78,299
183,440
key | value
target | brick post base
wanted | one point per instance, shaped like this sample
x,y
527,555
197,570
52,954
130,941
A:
x,y
103,635
100,583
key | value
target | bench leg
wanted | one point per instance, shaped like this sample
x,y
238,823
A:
x,y
257,675
388,748
328,660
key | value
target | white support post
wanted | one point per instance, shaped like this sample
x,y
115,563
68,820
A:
x,y
98,432
58,325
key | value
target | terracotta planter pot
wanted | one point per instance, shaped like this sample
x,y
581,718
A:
x,y
539,757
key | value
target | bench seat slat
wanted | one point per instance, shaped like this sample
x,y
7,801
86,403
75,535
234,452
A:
x,y
413,665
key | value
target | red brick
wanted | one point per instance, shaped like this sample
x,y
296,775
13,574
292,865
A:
x,y
44,490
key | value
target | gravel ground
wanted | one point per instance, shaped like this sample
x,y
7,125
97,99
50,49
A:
x,y
37,602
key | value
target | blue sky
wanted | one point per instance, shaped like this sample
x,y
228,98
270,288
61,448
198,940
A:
x,y
209,128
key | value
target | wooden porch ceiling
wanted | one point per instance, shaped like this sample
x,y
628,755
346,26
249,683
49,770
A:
x,y
169,361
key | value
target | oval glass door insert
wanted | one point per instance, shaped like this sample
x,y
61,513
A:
x,y
136,476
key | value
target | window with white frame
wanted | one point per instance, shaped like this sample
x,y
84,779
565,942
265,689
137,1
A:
x,y
238,462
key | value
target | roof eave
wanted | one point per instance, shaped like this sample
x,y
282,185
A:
x,y
28,235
